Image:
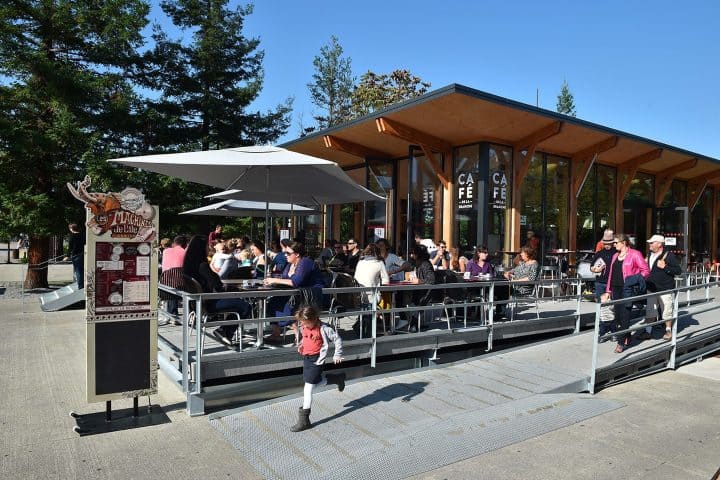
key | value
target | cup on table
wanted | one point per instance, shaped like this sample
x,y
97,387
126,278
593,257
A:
x,y
466,275
246,283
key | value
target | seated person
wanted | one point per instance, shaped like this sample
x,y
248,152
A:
x,y
456,262
480,264
424,273
338,261
195,265
300,272
440,258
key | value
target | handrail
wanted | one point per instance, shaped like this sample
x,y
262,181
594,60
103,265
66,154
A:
x,y
675,292
489,304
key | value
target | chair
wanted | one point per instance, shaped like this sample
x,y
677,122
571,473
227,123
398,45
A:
x,y
192,286
518,299
343,302
173,278
548,273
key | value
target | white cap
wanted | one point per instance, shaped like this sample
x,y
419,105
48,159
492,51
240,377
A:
x,y
656,238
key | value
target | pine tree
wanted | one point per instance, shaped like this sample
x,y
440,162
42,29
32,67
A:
x,y
565,101
332,85
207,84
63,94
376,91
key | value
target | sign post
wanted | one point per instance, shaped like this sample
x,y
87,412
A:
x,y
121,295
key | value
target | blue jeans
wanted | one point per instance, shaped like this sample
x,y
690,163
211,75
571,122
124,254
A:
x,y
78,263
599,289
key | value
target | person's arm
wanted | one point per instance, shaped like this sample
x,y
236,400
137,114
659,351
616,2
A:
x,y
642,265
384,276
332,336
211,278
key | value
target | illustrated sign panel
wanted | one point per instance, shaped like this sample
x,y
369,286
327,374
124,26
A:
x,y
121,292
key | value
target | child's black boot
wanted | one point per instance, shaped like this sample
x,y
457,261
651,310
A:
x,y
303,422
336,379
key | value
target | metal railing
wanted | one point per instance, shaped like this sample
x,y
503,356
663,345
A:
x,y
686,282
193,316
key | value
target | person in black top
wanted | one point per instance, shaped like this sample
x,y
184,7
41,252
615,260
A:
x,y
663,265
76,252
353,256
196,265
600,264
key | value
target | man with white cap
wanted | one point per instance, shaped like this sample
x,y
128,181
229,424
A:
x,y
663,265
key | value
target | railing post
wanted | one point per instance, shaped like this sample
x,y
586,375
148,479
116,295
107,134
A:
x,y
491,315
198,342
578,299
373,348
596,336
185,346
673,342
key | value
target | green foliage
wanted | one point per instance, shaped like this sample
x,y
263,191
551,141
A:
x,y
565,101
206,84
376,91
332,85
62,91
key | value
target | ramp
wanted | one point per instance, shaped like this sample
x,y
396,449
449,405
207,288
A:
x,y
61,298
398,426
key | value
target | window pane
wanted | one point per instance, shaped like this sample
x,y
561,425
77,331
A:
x,y
500,194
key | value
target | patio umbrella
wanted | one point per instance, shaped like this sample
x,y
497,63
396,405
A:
x,y
240,208
276,173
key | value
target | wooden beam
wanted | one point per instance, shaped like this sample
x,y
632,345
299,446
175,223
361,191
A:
x,y
538,136
412,135
435,165
599,147
352,148
697,185
664,179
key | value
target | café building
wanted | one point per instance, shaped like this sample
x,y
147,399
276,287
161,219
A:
x,y
474,169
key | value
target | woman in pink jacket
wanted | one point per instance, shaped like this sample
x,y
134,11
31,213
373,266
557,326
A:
x,y
626,268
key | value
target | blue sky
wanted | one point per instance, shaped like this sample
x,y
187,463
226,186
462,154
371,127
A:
x,y
645,67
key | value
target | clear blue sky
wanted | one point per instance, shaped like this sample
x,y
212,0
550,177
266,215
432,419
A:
x,y
645,67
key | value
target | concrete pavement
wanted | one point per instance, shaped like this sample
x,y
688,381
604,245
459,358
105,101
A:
x,y
669,428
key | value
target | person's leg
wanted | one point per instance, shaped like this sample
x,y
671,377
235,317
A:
x,y
622,317
666,303
599,290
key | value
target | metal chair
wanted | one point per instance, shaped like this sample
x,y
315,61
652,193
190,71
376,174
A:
x,y
548,273
192,286
518,299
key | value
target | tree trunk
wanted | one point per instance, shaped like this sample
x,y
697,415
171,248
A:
x,y
37,274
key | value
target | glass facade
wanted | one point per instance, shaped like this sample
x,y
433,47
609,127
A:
x,y
426,197
380,180
499,195
700,234
595,206
467,201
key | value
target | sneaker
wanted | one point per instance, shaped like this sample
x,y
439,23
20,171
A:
x,y
219,335
668,335
400,324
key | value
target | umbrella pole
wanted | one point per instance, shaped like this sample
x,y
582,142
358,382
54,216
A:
x,y
267,218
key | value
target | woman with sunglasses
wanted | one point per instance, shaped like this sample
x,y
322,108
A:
x,y
627,268
300,272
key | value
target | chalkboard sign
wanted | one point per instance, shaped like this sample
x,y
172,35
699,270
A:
x,y
122,350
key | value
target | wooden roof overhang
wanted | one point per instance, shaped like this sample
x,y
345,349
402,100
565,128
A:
x,y
457,115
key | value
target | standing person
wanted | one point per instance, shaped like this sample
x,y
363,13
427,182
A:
x,y
607,233
76,253
627,268
663,266
315,337
353,255
601,261
427,242
195,265
216,235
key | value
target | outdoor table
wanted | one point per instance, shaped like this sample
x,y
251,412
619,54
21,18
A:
x,y
561,253
259,303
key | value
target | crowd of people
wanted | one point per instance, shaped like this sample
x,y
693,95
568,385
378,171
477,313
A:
x,y
622,272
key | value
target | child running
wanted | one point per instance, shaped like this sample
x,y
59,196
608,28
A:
x,y
607,316
315,337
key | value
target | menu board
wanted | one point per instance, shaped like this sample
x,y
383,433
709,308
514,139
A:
x,y
122,277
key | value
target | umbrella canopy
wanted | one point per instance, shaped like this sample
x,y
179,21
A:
x,y
275,173
238,208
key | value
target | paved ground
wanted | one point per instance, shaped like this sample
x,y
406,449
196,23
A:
x,y
668,428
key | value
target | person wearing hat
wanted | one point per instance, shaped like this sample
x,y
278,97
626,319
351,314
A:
x,y
607,233
600,262
664,265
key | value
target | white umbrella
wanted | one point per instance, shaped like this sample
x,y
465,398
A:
x,y
277,173
274,172
239,208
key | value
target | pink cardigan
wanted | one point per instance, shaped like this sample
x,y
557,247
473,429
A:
x,y
634,263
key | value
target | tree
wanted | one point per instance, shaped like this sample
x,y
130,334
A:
x,y
565,101
332,85
375,92
207,85
62,94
